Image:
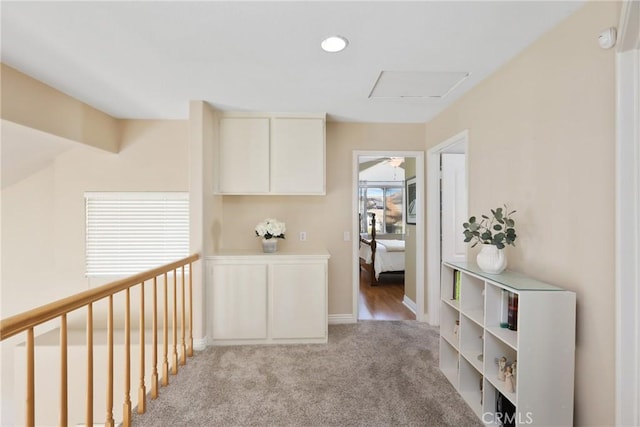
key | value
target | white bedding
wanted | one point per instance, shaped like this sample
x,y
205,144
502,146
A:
x,y
389,255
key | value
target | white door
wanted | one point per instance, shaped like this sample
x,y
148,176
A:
x,y
454,206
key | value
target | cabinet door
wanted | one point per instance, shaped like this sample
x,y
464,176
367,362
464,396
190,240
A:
x,y
297,156
298,301
244,155
239,301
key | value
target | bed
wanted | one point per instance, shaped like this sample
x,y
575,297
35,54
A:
x,y
378,256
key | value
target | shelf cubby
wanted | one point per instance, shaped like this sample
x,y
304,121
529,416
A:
x,y
471,341
472,298
471,386
447,279
449,317
496,314
449,362
494,350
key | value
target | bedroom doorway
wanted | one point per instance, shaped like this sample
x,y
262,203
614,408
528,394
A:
x,y
388,230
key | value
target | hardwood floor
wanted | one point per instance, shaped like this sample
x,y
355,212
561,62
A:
x,y
384,301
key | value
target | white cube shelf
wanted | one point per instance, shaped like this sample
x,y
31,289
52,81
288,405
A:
x,y
473,337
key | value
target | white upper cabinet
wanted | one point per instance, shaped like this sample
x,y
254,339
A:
x,y
272,155
297,156
244,155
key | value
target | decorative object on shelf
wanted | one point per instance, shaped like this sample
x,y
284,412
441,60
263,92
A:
x,y
491,259
270,229
508,379
514,372
493,233
456,328
502,367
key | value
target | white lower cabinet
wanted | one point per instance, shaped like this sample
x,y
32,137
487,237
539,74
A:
x,y
267,298
479,325
239,301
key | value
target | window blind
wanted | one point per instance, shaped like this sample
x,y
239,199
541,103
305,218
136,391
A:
x,y
127,233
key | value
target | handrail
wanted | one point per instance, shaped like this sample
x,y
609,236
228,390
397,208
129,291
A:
x,y
28,320
21,322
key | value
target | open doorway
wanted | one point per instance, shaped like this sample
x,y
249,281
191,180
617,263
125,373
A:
x,y
388,280
444,223
382,225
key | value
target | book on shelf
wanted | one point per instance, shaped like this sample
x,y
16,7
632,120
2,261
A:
x,y
505,411
512,316
456,285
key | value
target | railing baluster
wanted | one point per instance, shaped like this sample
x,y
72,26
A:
x,y
190,310
63,371
174,360
89,416
154,338
30,419
183,348
110,422
142,390
165,333
126,407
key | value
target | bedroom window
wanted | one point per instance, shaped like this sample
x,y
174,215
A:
x,y
387,202
127,233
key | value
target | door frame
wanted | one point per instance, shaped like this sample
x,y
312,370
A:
x,y
627,371
433,220
419,156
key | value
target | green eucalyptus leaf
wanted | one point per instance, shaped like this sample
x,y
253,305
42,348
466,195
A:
x,y
497,227
472,220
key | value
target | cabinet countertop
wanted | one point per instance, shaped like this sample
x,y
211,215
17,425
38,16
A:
x,y
256,253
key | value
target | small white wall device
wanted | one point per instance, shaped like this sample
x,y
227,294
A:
x,y
607,38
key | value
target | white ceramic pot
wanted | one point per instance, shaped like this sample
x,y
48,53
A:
x,y
491,259
269,245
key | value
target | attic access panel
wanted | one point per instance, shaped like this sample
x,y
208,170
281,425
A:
x,y
416,84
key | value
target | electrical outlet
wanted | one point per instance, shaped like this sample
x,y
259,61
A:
x,y
346,236
303,236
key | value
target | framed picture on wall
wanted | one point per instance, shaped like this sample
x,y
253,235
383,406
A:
x,y
411,206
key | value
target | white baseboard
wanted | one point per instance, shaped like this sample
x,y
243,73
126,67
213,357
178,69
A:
x,y
410,304
336,319
199,344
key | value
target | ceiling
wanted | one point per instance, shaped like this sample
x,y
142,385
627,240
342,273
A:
x,y
149,59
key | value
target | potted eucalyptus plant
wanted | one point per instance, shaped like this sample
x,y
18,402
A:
x,y
494,233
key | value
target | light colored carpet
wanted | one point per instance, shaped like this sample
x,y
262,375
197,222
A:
x,y
369,374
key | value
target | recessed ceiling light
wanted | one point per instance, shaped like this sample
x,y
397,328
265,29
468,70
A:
x,y
334,44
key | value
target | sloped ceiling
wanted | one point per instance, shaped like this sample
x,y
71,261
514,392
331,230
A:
x,y
26,151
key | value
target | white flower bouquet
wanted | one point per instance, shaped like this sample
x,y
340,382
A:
x,y
271,228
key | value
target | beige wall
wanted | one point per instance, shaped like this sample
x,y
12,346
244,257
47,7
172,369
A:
x,y
43,216
31,103
541,139
325,219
